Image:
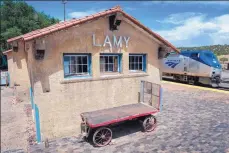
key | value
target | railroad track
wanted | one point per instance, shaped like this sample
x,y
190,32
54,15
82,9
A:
x,y
224,87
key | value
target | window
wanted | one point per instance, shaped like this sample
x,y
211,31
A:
x,y
194,55
77,64
137,62
110,62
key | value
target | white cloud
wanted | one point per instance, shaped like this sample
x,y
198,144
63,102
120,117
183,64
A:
x,y
191,29
80,14
178,18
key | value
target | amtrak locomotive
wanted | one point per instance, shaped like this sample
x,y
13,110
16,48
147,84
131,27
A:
x,y
193,67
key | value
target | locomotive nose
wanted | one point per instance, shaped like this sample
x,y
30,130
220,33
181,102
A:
x,y
216,73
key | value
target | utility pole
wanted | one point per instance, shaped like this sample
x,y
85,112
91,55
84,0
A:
x,y
64,2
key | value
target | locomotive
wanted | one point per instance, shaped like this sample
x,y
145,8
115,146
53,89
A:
x,y
193,67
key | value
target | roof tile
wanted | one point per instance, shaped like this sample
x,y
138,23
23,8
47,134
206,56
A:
x,y
66,24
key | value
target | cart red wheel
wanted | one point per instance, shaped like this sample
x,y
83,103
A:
x,y
102,136
149,123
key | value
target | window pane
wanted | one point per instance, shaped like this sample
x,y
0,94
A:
x,y
136,66
194,55
135,59
140,66
110,67
73,69
102,67
106,67
84,60
79,68
67,69
140,59
73,60
66,60
102,59
111,59
106,59
79,59
85,68
132,66
131,59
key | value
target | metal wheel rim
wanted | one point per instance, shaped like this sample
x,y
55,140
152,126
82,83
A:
x,y
102,137
149,124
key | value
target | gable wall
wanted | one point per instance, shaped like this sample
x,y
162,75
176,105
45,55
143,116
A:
x,y
60,102
18,70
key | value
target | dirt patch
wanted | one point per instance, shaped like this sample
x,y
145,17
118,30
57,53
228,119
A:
x,y
17,126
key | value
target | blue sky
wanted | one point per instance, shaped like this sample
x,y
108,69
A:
x,y
192,23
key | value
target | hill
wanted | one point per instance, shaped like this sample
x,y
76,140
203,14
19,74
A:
x,y
18,18
217,49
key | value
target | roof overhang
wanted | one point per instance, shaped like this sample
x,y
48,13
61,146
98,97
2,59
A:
x,y
7,51
63,25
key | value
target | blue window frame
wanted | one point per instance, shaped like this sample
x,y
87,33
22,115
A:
x,y
137,62
110,62
77,65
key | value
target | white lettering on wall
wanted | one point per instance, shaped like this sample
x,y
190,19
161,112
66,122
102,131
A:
x,y
94,43
127,40
119,43
107,41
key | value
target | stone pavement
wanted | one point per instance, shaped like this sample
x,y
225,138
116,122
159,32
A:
x,y
191,121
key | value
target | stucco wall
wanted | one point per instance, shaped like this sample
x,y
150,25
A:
x,y
10,67
17,67
60,102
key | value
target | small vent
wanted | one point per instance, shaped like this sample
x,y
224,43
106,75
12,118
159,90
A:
x,y
162,52
15,48
39,55
114,22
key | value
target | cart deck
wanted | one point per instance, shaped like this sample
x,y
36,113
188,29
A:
x,y
117,114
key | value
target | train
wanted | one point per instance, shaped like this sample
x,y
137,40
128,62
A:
x,y
193,67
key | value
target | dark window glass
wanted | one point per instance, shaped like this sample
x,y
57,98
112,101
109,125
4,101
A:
x,y
76,65
194,55
109,63
136,62
84,59
84,68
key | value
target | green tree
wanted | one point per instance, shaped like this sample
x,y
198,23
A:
x,y
223,59
216,49
18,18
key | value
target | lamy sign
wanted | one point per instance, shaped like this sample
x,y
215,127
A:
x,y
114,42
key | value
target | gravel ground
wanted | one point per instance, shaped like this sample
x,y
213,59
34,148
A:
x,y
192,120
16,122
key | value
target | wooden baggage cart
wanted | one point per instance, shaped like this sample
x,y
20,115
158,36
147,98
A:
x,y
97,124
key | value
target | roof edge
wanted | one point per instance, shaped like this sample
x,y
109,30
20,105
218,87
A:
x,y
60,26
7,51
75,22
157,36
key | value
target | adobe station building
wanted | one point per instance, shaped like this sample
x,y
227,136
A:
x,y
82,65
